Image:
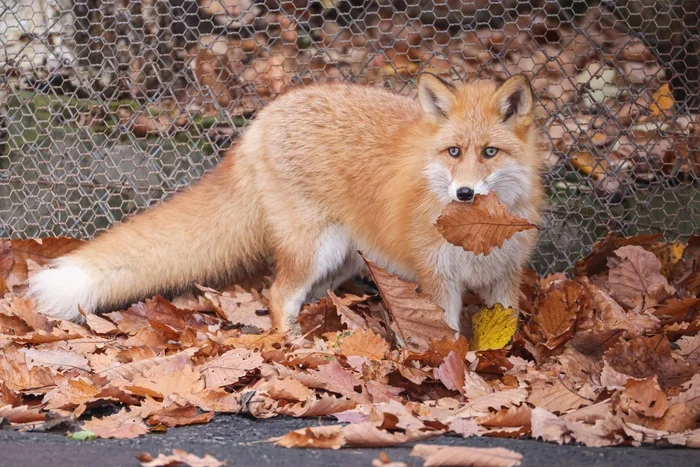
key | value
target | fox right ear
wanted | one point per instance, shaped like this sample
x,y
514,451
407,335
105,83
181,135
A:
x,y
436,96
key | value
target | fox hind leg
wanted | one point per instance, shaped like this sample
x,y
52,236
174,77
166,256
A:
x,y
299,268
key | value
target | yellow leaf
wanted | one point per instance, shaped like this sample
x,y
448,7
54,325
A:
x,y
662,101
493,327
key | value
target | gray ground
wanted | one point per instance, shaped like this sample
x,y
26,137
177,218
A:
x,y
242,442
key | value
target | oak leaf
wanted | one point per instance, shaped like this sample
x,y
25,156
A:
x,y
480,226
415,319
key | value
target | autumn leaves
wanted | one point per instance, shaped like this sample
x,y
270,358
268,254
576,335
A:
x,y
610,356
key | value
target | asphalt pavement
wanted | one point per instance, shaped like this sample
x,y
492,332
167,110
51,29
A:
x,y
242,441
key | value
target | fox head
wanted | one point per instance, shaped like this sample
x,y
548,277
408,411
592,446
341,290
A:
x,y
484,138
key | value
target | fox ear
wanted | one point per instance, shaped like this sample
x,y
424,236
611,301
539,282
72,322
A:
x,y
514,97
437,97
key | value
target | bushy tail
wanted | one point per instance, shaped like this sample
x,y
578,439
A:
x,y
200,234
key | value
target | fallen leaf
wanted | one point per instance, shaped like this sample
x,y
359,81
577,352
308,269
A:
x,y
364,343
461,456
57,360
644,397
323,437
177,415
644,357
493,328
178,458
452,372
636,277
415,319
230,367
553,396
480,226
122,425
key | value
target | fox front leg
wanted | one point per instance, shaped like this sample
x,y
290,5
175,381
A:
x,y
504,290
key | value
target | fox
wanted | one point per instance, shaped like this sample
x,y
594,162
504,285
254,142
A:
x,y
322,172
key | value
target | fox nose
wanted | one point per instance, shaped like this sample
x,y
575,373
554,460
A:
x,y
465,194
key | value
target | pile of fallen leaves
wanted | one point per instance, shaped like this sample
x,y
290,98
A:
x,y
608,357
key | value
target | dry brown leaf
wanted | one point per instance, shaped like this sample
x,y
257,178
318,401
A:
x,y
597,261
636,276
347,316
99,325
71,393
323,437
553,396
57,360
323,406
480,226
179,458
548,427
177,415
239,308
608,315
415,319
21,414
644,357
122,425
436,455
553,321
127,371
439,349
644,397
159,382
452,372
15,255
364,343
230,367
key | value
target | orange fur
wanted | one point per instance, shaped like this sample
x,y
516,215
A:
x,y
323,171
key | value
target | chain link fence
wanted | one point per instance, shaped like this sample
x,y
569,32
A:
x,y
107,107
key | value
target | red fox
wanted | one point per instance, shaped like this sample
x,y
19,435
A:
x,y
322,172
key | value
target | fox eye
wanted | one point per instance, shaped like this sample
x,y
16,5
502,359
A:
x,y
454,151
490,151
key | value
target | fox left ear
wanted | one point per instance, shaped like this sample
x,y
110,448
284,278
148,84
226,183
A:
x,y
514,97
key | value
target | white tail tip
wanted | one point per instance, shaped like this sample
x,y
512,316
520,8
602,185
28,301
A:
x,y
59,291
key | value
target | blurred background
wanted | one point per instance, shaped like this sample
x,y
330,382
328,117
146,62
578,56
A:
x,y
107,107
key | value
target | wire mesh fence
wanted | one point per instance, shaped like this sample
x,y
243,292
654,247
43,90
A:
x,y
107,107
